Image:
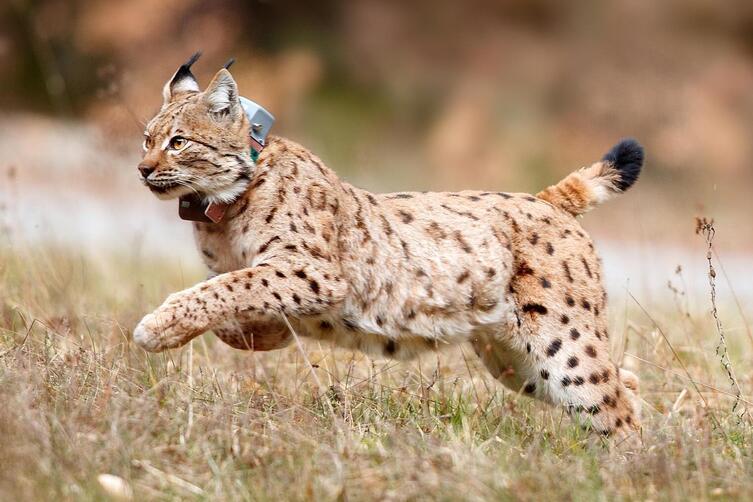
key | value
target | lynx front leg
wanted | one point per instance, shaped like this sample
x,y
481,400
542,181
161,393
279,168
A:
x,y
272,289
249,332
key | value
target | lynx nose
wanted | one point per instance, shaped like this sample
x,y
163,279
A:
x,y
146,170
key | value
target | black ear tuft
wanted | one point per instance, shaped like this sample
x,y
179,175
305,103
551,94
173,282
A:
x,y
194,57
185,69
627,157
229,63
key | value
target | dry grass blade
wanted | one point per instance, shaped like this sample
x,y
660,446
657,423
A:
x,y
169,478
706,228
79,399
681,363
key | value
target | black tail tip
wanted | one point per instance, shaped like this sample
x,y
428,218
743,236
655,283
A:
x,y
627,157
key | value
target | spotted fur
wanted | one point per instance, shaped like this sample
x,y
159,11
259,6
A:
x,y
394,275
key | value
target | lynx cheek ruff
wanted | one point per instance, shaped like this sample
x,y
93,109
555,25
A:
x,y
192,207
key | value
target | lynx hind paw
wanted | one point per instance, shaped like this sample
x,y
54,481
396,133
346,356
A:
x,y
629,379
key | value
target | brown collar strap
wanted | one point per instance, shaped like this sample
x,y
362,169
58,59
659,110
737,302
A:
x,y
192,208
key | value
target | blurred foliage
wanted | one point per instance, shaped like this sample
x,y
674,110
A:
x,y
499,85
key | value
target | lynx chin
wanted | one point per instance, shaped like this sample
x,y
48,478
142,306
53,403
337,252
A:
x,y
393,275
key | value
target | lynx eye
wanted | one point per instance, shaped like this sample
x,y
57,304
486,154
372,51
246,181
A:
x,y
178,143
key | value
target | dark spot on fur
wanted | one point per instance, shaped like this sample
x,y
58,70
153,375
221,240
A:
x,y
570,301
572,362
549,248
405,216
564,319
463,276
578,381
535,308
585,266
406,251
326,326
566,269
523,269
566,381
266,244
461,241
590,351
574,334
554,347
545,283
386,227
271,215
466,214
390,347
585,304
545,374
314,286
530,388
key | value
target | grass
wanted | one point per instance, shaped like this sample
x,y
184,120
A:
x,y
207,422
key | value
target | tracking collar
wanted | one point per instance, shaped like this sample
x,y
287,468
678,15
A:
x,y
192,207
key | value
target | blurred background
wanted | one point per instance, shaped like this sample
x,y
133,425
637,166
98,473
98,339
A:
x,y
422,95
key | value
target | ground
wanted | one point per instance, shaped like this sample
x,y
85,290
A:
x,y
80,399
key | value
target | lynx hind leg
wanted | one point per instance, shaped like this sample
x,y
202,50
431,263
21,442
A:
x,y
569,354
247,333
562,327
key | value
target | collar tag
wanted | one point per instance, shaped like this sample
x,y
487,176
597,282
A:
x,y
260,120
192,207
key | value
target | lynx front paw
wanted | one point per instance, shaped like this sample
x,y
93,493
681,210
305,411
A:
x,y
146,336
163,330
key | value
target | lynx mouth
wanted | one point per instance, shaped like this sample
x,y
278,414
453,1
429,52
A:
x,y
167,190
161,188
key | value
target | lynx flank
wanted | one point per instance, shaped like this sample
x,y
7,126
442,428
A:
x,y
393,275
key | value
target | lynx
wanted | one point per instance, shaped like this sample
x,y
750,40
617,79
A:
x,y
393,275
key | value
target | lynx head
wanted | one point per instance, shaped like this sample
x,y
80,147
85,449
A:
x,y
198,142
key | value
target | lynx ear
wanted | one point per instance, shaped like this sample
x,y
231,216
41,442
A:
x,y
221,95
182,81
